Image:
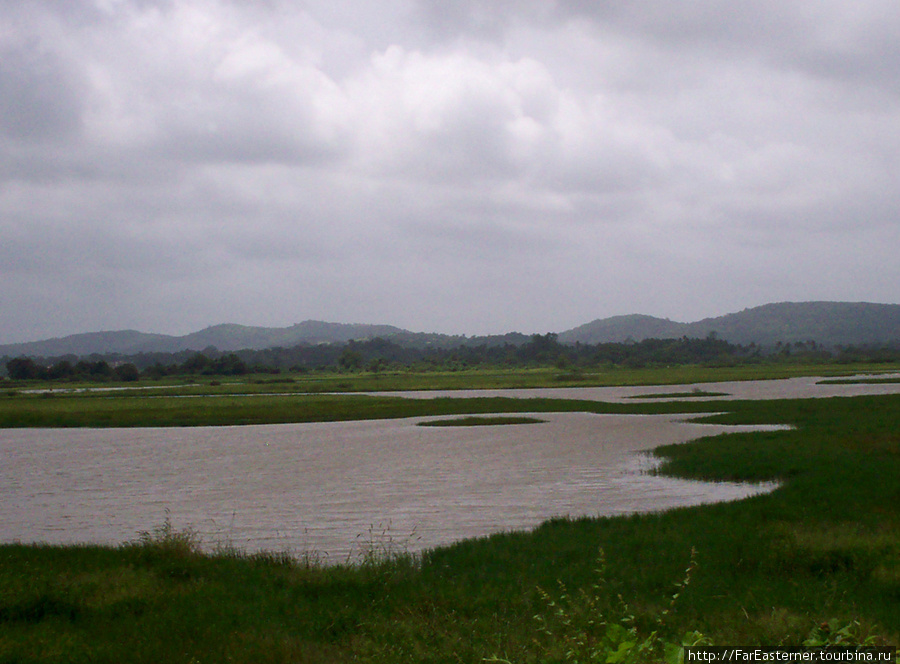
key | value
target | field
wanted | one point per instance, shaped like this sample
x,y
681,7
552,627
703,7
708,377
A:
x,y
314,382
818,560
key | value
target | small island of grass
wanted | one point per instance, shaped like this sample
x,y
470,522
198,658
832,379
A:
x,y
694,394
481,421
860,381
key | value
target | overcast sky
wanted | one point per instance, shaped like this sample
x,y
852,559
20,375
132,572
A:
x,y
473,167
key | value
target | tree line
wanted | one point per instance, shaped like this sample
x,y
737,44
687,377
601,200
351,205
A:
x,y
381,354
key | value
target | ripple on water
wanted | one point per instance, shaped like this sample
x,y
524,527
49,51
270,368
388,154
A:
x,y
333,488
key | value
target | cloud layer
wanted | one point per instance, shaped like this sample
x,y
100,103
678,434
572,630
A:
x,y
467,167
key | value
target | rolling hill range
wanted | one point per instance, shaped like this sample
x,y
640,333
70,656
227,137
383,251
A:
x,y
826,323
226,337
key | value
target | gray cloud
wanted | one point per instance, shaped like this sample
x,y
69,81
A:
x,y
37,101
466,167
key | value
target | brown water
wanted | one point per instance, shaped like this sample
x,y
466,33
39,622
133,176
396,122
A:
x,y
333,489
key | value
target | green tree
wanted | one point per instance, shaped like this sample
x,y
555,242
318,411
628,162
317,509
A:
x,y
23,368
197,363
227,365
350,360
127,372
62,369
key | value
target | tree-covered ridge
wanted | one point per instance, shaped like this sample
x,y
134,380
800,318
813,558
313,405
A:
x,y
376,355
821,325
826,323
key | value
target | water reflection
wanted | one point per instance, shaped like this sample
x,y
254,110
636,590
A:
x,y
330,488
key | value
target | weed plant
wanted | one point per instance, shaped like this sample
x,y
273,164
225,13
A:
x,y
580,627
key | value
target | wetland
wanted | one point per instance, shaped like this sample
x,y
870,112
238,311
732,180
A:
x,y
814,561
316,488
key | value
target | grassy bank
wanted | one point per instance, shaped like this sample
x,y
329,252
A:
x,y
494,378
133,411
766,571
336,397
317,382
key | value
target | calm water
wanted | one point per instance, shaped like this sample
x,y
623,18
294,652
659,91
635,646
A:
x,y
332,488
805,387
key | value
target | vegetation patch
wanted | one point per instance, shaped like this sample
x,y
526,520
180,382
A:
x,y
693,394
816,561
859,381
80,410
474,421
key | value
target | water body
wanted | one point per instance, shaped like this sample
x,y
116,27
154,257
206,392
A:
x,y
334,489
806,387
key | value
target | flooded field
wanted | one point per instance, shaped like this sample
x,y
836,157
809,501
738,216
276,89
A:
x,y
807,387
335,489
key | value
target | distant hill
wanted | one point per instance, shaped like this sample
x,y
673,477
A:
x,y
226,337
617,329
826,323
238,337
123,341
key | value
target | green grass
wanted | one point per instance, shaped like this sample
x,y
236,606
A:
x,y
494,378
859,381
768,570
479,378
138,411
474,421
319,397
693,394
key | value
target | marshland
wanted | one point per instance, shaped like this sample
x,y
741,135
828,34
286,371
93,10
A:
x,y
816,559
